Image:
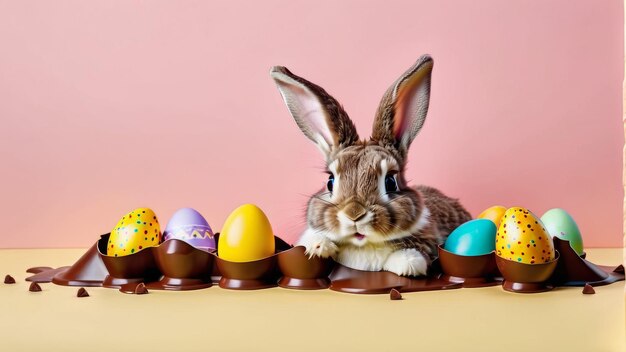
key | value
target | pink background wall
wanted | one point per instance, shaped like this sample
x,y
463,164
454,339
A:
x,y
112,105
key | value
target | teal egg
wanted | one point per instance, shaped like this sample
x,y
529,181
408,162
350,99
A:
x,y
475,237
560,224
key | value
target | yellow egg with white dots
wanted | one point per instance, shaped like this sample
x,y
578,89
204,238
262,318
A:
x,y
136,231
522,238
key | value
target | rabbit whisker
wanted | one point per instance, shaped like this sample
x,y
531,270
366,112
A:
x,y
396,198
325,201
393,227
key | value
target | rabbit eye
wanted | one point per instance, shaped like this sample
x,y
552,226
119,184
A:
x,y
329,184
391,185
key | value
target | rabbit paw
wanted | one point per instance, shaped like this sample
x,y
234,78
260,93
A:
x,y
317,244
406,262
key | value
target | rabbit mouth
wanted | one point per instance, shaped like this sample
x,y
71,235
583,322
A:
x,y
359,236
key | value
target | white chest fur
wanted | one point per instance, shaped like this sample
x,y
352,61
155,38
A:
x,y
370,258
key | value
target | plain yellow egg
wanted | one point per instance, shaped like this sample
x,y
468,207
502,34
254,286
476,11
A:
x,y
246,235
494,214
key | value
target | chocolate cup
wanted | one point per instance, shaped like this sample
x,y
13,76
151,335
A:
x,y
258,274
254,275
184,267
134,268
470,271
301,273
526,278
216,275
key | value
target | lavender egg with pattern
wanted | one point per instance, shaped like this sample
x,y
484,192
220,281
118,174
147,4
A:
x,y
189,225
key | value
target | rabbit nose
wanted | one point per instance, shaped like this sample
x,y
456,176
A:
x,y
355,211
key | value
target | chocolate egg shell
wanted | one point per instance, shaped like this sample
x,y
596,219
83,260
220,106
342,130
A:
x,y
527,278
89,270
184,266
522,238
301,272
128,269
252,275
136,231
471,271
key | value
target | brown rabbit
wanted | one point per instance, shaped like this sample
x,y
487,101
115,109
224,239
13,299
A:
x,y
367,217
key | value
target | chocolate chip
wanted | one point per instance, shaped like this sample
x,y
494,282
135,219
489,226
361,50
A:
x,y
619,269
34,287
588,290
82,292
395,295
9,279
141,289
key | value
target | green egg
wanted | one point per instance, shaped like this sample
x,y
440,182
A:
x,y
560,224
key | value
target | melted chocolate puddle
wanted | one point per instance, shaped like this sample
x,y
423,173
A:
x,y
573,270
89,270
38,269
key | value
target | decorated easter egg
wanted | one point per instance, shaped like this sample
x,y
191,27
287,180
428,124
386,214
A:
x,y
523,238
475,237
246,235
136,230
189,225
560,224
494,214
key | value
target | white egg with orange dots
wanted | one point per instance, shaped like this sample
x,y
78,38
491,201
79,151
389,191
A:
x,y
246,235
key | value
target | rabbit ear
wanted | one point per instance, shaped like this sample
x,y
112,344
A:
x,y
319,115
403,109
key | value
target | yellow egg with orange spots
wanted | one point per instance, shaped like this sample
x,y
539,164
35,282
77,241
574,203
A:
x,y
494,214
137,230
522,238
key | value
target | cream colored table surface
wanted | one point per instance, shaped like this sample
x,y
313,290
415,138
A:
x,y
485,319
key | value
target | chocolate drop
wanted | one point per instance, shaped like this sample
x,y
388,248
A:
x,y
395,295
588,290
34,287
141,289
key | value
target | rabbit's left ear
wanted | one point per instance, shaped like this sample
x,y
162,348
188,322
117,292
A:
x,y
320,117
404,106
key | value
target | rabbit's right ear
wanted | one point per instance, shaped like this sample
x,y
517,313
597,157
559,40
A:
x,y
404,106
319,115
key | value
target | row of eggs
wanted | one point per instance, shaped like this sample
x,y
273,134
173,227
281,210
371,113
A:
x,y
246,235
515,234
